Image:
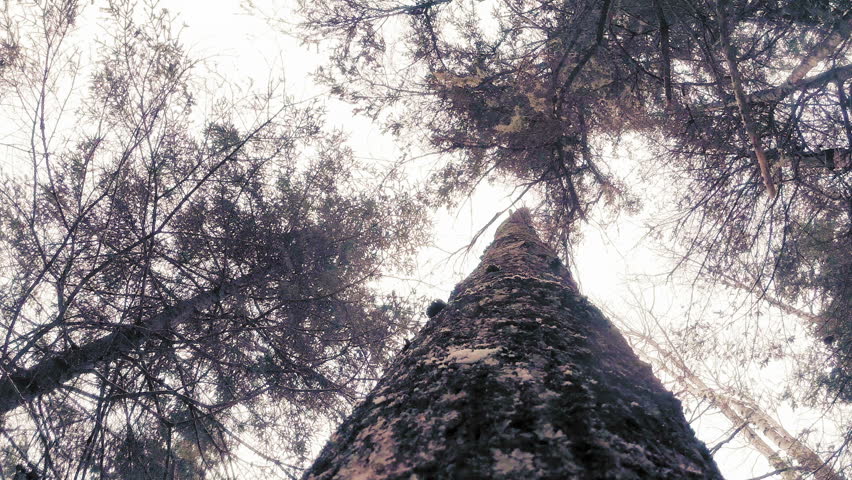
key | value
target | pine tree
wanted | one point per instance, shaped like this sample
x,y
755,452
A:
x,y
519,376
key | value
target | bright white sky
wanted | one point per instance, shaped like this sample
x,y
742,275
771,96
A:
x,y
244,50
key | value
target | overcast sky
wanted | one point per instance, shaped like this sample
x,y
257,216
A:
x,y
243,49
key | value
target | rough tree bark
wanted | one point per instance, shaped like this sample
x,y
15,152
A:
x,y
519,376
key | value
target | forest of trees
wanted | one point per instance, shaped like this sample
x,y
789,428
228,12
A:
x,y
193,284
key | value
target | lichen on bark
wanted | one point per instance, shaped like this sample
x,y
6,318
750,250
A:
x,y
519,376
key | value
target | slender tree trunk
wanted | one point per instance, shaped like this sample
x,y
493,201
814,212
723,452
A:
x,y
776,94
741,412
517,377
697,388
742,101
51,373
792,446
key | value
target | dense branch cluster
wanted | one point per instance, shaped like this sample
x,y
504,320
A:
x,y
180,284
172,295
745,103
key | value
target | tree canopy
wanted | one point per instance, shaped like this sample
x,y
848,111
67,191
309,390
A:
x,y
195,281
745,104
179,285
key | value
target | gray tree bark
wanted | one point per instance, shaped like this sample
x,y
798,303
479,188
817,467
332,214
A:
x,y
519,376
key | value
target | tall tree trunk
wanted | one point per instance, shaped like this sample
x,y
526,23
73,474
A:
x,y
518,377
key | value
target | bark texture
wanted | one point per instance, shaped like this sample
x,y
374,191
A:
x,y
519,376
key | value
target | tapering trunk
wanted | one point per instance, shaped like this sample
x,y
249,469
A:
x,y
518,376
